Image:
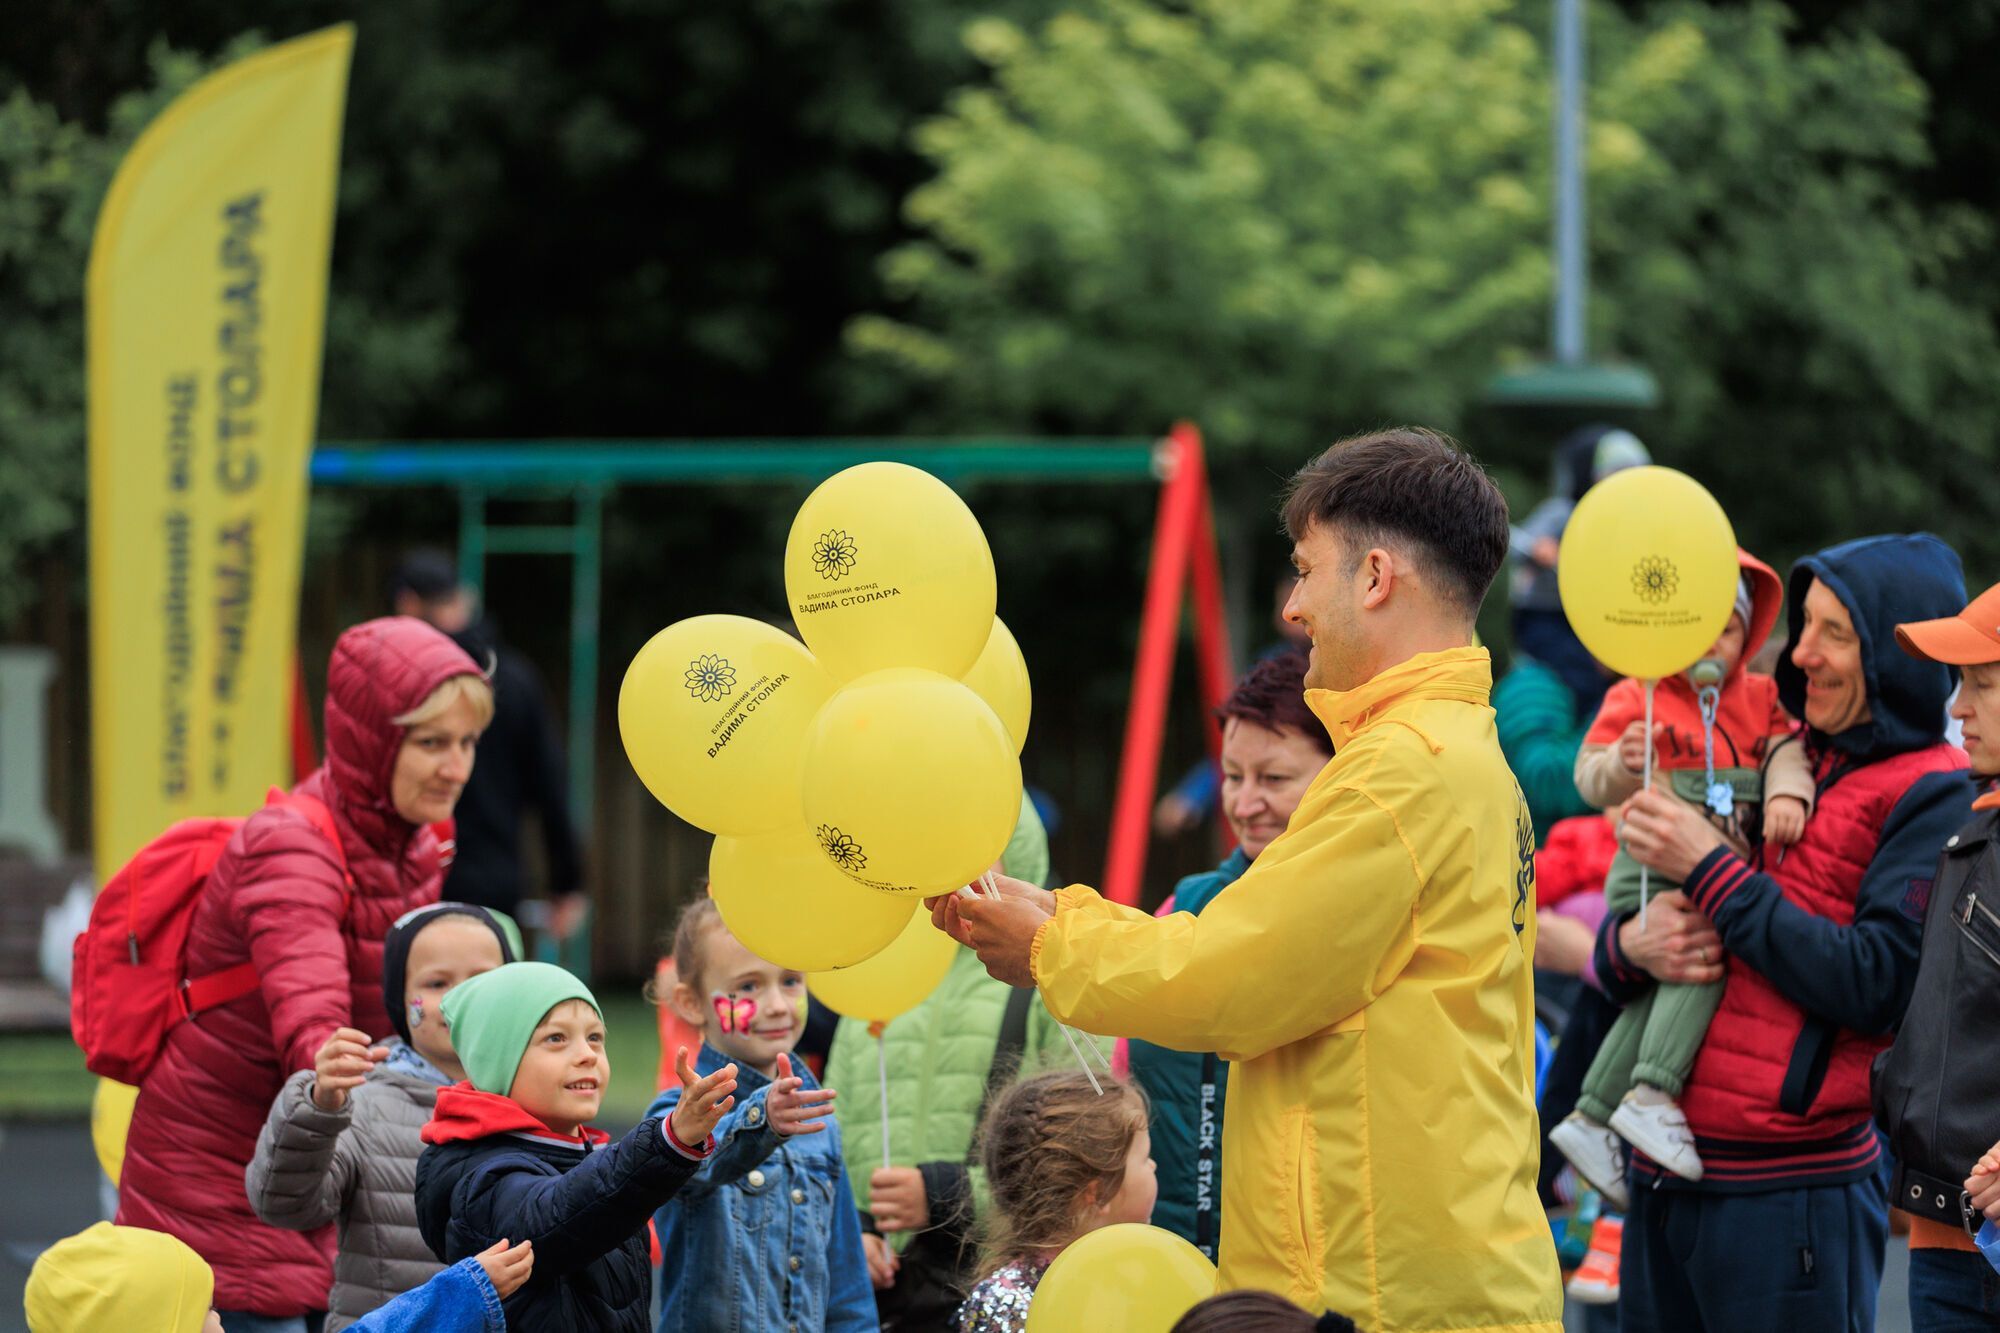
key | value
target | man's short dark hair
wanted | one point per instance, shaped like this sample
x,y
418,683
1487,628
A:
x,y
426,571
1413,488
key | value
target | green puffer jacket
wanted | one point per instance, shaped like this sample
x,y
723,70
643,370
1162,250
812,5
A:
x,y
938,1056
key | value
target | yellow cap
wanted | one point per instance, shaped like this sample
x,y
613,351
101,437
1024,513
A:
x,y
119,1277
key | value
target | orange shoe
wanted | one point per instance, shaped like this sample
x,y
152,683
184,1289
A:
x,y
1596,1283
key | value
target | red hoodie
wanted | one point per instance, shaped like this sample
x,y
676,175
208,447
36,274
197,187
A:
x,y
1748,717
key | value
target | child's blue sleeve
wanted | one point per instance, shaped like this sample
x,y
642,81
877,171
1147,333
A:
x,y
850,1296
461,1299
743,1140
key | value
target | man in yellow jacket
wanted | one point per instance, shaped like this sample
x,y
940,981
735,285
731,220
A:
x,y
1370,974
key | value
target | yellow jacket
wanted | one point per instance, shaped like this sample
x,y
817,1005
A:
x,y
1371,976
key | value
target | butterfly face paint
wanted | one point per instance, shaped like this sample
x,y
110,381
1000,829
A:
x,y
735,1015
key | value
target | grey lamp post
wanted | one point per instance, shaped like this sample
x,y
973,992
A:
x,y
1571,379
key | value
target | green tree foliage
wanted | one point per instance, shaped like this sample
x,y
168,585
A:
x,y
1292,218
53,173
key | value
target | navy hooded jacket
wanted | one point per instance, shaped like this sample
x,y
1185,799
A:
x,y
1851,978
492,1171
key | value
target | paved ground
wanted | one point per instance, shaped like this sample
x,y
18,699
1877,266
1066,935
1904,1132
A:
x,y
48,1189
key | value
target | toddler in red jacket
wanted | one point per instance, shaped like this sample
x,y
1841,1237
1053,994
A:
x,y
1724,744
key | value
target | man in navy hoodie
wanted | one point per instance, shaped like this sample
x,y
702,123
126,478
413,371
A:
x,y
1818,944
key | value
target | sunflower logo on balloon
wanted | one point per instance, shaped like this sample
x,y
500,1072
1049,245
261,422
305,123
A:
x,y
710,678
1655,579
840,849
833,554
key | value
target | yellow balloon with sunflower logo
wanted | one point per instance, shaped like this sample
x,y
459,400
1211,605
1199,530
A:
x,y
714,712
1647,570
910,782
886,567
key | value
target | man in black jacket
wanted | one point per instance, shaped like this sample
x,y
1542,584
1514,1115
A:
x,y
520,763
1937,1090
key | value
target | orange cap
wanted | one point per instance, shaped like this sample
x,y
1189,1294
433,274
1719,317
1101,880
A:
x,y
1969,638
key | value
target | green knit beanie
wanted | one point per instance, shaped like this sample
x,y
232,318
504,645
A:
x,y
492,1016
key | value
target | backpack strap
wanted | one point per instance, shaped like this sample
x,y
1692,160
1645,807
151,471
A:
x,y
200,994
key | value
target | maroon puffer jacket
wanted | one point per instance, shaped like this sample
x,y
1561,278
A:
x,y
276,897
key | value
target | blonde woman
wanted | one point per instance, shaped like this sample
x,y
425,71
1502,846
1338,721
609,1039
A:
x,y
405,707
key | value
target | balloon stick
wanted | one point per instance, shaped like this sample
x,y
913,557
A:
x,y
1646,784
882,1072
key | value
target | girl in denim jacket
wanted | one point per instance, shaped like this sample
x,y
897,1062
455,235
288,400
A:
x,y
765,1236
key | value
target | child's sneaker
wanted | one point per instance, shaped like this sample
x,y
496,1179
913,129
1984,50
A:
x,y
1597,1154
1596,1283
1653,1123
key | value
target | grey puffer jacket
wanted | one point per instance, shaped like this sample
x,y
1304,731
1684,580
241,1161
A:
x,y
358,1167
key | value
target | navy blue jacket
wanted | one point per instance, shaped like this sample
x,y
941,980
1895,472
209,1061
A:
x,y
492,1171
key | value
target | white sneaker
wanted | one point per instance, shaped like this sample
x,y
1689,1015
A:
x,y
1659,1130
1597,1154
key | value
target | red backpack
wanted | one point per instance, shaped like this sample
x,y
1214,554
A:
x,y
128,979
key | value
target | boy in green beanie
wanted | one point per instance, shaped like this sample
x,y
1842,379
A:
x,y
510,1157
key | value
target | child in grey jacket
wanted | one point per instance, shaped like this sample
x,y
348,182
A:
x,y
341,1143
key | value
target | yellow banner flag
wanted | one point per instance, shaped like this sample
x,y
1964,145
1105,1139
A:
x,y
206,304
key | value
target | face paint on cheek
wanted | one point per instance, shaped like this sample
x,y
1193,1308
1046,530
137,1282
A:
x,y
416,1013
734,1015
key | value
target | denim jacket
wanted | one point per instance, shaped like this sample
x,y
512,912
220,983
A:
x,y
764,1238
460,1299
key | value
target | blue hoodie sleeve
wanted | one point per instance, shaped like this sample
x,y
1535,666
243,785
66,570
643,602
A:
x,y
578,1216
461,1299
743,1140
850,1297
1857,976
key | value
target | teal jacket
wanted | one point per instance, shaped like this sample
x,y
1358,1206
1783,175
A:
x,y
938,1056
1540,733
1186,1089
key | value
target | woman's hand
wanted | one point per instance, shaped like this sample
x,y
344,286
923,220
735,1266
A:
x,y
1667,834
703,1103
790,1109
507,1268
342,1064
1984,1184
1677,943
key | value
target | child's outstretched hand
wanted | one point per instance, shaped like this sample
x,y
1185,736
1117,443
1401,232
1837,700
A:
x,y
507,1268
1632,745
703,1101
1784,820
343,1063
790,1109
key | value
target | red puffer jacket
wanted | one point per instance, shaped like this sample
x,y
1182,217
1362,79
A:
x,y
276,897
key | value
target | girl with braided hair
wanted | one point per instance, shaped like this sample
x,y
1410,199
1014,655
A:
x,y
1061,1162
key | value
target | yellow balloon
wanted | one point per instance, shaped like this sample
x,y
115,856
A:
x,y
1000,677
714,711
910,782
110,1120
1128,1276
886,567
1648,571
894,981
783,899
